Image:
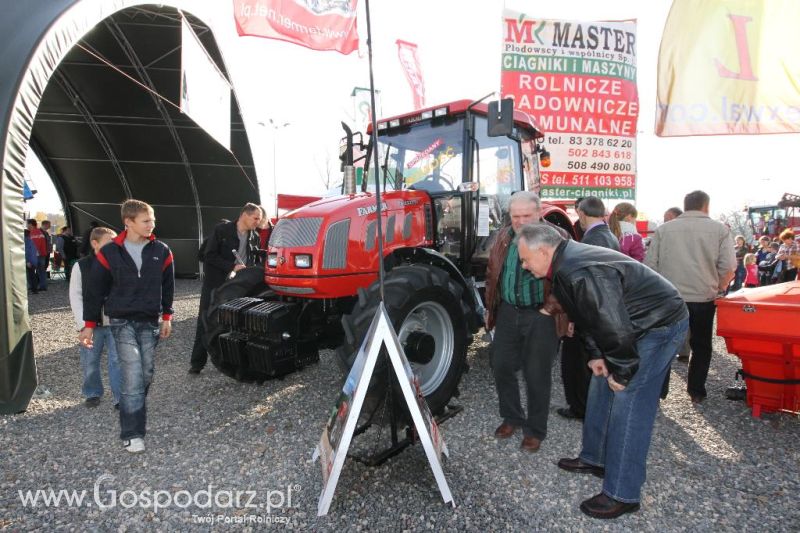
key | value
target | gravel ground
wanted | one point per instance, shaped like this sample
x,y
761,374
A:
x,y
710,467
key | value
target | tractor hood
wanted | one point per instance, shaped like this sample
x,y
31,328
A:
x,y
329,248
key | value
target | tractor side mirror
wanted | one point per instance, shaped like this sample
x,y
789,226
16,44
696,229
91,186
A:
x,y
501,118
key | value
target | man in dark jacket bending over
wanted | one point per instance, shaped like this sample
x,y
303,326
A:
x,y
632,321
219,261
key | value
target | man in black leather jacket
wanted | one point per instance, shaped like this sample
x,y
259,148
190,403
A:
x,y
632,320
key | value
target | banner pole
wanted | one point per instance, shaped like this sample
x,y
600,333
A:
x,y
375,154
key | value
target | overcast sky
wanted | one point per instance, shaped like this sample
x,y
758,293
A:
x,y
459,46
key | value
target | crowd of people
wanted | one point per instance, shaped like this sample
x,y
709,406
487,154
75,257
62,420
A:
x,y
620,309
623,309
39,243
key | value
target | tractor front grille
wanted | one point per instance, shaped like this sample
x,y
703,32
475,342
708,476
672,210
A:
x,y
335,255
294,232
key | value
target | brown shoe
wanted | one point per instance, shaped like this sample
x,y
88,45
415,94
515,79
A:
x,y
601,506
530,444
504,431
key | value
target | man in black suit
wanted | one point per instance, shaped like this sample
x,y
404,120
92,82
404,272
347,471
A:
x,y
575,372
592,214
219,261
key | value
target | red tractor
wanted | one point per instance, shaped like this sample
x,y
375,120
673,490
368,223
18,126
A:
x,y
448,173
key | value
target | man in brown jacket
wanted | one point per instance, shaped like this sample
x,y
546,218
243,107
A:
x,y
524,338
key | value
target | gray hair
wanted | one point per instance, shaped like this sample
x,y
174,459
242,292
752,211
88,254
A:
x,y
536,235
525,196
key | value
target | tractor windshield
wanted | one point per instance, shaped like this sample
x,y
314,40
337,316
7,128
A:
x,y
423,156
429,156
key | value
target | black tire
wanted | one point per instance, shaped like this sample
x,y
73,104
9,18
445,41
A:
x,y
414,292
247,282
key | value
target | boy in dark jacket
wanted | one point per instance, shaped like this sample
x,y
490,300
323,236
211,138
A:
x,y
134,279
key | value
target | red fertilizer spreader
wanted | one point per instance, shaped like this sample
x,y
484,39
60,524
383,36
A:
x,y
762,327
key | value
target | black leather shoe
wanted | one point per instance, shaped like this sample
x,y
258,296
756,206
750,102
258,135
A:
x,y
94,401
569,413
194,370
579,467
697,399
601,506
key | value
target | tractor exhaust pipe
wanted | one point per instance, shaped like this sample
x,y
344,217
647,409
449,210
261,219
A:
x,y
346,156
349,184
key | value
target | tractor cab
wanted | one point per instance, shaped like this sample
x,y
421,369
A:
x,y
469,161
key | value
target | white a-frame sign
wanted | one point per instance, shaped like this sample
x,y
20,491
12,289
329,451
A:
x,y
336,437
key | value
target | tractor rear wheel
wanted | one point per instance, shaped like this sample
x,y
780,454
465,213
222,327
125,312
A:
x,y
247,282
427,310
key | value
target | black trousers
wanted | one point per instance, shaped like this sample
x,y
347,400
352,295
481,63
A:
x,y
701,326
526,340
199,350
575,373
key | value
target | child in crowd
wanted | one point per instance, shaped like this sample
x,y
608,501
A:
x,y
134,275
622,223
751,277
90,357
770,268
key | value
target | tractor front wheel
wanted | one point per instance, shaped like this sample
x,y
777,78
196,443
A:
x,y
427,310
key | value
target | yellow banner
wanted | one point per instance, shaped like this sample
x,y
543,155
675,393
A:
x,y
729,67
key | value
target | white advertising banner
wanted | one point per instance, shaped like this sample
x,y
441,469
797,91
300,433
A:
x,y
205,93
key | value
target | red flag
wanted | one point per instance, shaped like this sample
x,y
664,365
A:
x,y
316,24
407,53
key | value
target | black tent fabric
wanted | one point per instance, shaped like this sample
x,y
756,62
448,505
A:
x,y
91,87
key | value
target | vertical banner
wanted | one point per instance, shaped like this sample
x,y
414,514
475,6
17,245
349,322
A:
x,y
407,53
205,93
578,81
739,73
319,25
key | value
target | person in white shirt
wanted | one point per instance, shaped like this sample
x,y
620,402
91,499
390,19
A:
x,y
90,357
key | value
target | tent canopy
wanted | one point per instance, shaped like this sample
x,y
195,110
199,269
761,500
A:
x,y
107,133
92,87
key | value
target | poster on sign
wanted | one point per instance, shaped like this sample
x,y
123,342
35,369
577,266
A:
x,y
205,93
578,81
341,425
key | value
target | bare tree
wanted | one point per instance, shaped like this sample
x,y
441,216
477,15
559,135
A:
x,y
738,223
326,169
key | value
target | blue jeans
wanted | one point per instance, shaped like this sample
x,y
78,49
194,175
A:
x,y
90,365
136,345
618,426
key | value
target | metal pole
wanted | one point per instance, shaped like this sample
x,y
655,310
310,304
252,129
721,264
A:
x,y
275,170
375,154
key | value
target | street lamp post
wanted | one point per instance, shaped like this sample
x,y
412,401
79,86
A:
x,y
275,128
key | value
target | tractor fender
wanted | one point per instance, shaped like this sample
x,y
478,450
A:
x,y
429,256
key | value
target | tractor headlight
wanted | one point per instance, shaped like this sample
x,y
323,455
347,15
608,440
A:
x,y
302,260
272,260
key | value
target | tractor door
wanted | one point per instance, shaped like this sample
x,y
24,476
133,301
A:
x,y
497,163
